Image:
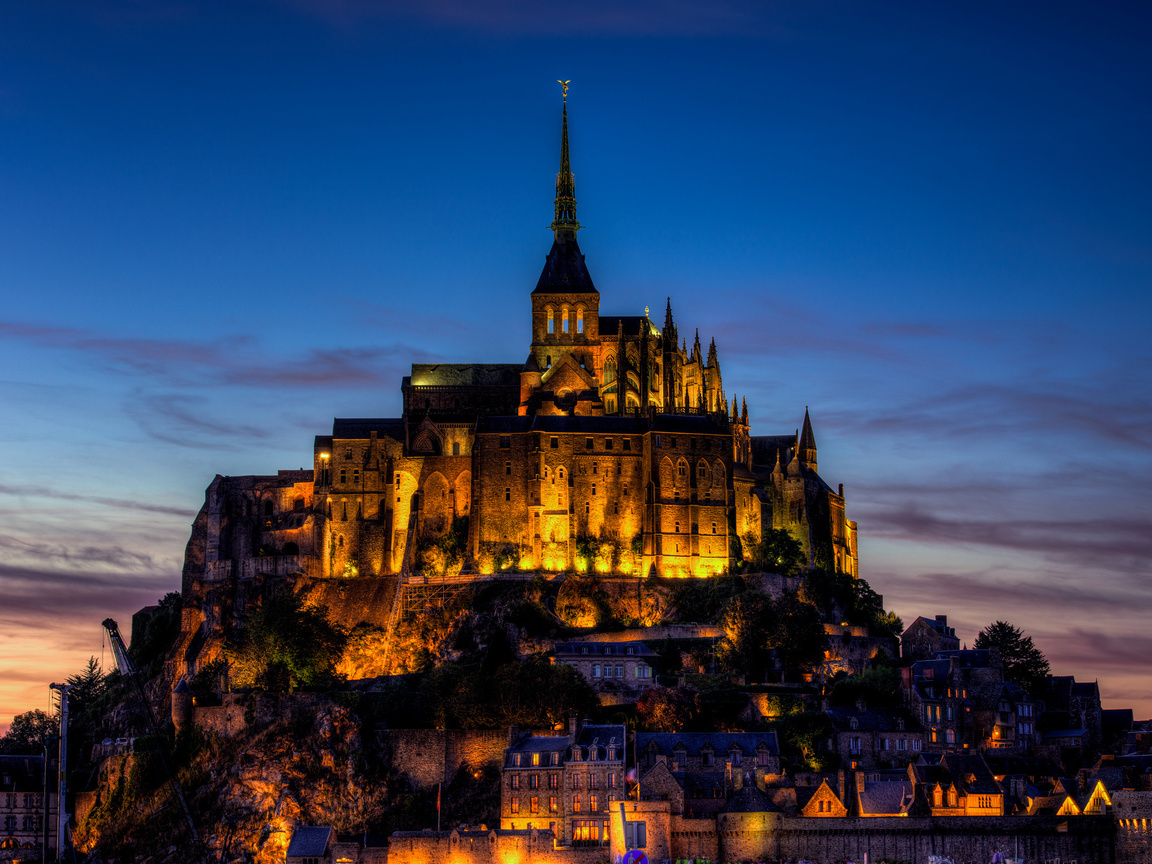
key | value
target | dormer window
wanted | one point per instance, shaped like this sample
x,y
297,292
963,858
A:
x,y
853,723
607,650
631,649
584,650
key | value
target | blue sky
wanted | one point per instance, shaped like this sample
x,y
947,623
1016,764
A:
x,y
224,224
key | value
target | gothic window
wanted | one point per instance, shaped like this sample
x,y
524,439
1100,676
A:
x,y
580,319
701,471
681,468
564,319
551,321
609,372
455,448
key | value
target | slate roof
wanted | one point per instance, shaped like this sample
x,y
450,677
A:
x,y
604,649
354,428
632,324
873,720
602,736
749,799
540,744
565,271
607,425
309,841
465,375
886,797
667,742
25,773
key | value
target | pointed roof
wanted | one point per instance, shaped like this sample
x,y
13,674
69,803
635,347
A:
x,y
807,439
565,224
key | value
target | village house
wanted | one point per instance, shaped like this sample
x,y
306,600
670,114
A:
x,y
618,667
925,636
564,783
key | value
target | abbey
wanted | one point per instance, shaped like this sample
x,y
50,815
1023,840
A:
x,y
613,434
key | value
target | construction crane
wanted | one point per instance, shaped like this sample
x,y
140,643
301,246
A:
x,y
128,672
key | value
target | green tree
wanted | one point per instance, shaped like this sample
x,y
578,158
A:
x,y
668,709
28,732
285,645
756,626
536,693
777,551
87,687
1024,663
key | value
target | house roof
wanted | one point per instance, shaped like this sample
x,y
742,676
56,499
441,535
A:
x,y
310,841
873,720
886,797
749,799
694,742
602,649
360,428
540,744
465,375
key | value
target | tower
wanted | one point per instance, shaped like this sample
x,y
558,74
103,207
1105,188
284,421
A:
x,y
565,308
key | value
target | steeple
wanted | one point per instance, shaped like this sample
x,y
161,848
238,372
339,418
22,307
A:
x,y
565,225
807,446
669,327
696,354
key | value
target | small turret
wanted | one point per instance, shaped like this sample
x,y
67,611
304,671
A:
x,y
696,355
807,447
530,380
743,411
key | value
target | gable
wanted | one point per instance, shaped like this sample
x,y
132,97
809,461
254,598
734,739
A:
x,y
566,375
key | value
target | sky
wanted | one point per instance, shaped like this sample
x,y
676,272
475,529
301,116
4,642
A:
x,y
224,224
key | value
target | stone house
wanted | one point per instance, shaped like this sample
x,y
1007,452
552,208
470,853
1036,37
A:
x,y
880,737
699,771
617,666
957,784
564,783
925,636
22,810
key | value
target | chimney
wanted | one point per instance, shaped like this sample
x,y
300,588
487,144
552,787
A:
x,y
842,786
513,735
943,619
573,729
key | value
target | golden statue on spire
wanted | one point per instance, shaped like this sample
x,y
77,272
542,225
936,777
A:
x,y
564,84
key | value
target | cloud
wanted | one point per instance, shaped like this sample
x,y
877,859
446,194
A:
x,y
114,556
120,503
1092,543
234,361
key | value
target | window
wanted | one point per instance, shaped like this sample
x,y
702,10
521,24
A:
x,y
507,467
535,761
505,441
579,320
514,805
356,476
607,443
901,744
883,743
552,808
595,467
553,781
554,759
681,469
854,745
707,758
516,759
713,527
515,783
619,671
593,779
627,444
589,443
677,527
762,758
455,448
507,493
593,802
564,320
595,670
915,743
950,736
575,803
612,775
701,471
575,777
533,804
554,443
343,479
655,441
551,322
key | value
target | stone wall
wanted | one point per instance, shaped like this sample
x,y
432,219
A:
x,y
494,847
1133,812
1084,839
431,756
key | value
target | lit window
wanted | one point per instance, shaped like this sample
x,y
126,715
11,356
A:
x,y
515,805
564,319
551,322
579,320
535,761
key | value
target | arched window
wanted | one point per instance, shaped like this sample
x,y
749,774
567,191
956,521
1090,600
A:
x,y
267,508
609,373
681,468
551,321
564,320
580,319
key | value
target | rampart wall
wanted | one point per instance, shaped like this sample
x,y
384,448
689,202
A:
x,y
431,756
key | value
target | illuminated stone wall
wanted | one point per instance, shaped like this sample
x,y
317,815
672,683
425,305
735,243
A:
x,y
492,847
431,756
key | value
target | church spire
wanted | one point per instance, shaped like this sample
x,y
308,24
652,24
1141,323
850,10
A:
x,y
565,225
807,446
